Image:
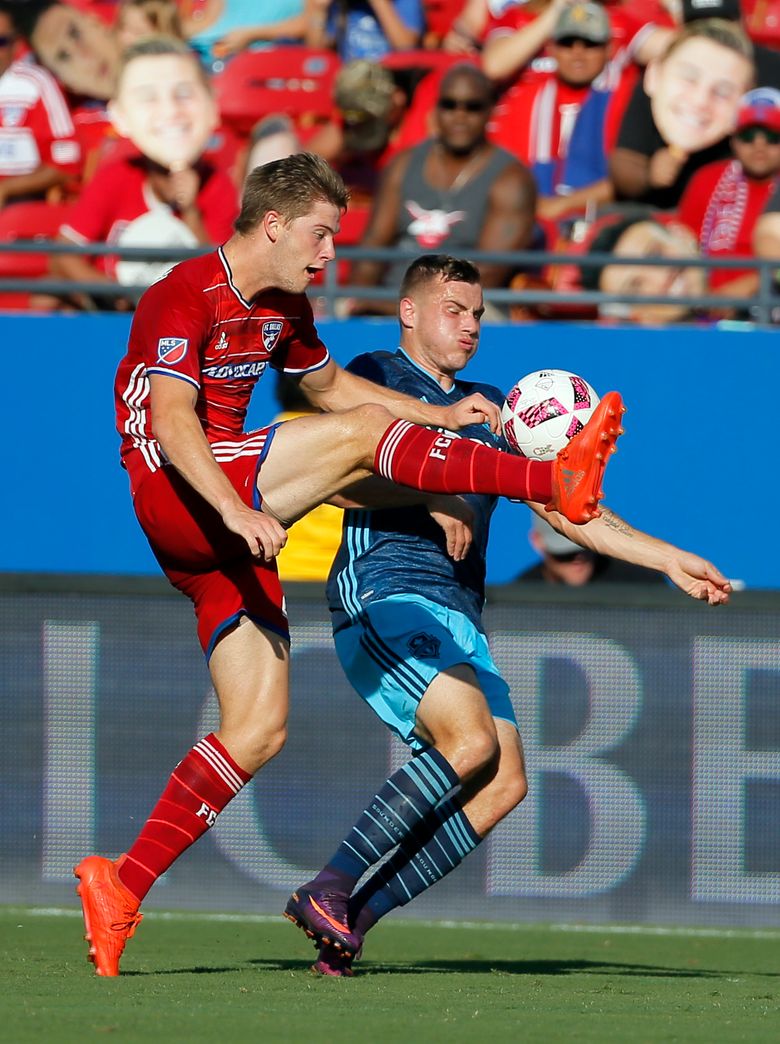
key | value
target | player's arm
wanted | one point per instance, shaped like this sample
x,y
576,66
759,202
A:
x,y
453,514
611,535
334,389
178,430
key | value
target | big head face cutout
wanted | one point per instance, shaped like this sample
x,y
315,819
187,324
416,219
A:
x,y
695,92
79,49
164,106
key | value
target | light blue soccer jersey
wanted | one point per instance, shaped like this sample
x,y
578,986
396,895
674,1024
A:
x,y
392,551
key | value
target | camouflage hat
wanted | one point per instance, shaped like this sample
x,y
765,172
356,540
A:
x,y
364,95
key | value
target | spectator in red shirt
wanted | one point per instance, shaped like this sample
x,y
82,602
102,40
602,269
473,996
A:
x,y
556,123
517,37
724,200
166,194
38,147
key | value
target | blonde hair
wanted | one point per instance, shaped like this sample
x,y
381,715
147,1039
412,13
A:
x,y
719,31
152,46
290,186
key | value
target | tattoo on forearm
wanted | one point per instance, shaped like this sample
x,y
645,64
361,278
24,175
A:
x,y
612,520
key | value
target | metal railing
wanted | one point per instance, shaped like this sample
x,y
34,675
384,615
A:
x,y
759,308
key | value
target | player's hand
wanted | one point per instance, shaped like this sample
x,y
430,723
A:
x,y
699,578
474,409
265,536
456,518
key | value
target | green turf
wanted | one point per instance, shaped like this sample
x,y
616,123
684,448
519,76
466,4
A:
x,y
195,979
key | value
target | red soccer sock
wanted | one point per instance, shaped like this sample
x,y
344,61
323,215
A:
x,y
428,460
201,785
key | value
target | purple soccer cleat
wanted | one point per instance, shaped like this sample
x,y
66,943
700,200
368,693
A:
x,y
322,915
334,963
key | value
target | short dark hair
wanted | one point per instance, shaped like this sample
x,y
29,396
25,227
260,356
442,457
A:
x,y
428,267
290,186
472,72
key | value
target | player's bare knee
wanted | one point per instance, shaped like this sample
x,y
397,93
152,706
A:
x,y
263,746
510,789
474,753
364,426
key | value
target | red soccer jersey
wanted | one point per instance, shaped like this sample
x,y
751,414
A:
x,y
721,206
195,326
119,193
35,123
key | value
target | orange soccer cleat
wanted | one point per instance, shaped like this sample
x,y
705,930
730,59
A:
x,y
578,470
110,911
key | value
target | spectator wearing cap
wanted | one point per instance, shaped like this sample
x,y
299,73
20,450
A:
x,y
453,193
641,232
358,140
556,123
565,563
364,28
518,33
681,117
724,200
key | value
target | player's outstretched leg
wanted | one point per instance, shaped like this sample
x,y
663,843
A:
x,y
440,463
110,912
578,470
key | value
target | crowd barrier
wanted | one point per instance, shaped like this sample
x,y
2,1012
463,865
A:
x,y
651,728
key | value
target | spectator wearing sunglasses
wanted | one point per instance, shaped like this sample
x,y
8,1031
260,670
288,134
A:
x,y
40,153
518,34
556,123
723,201
568,564
453,193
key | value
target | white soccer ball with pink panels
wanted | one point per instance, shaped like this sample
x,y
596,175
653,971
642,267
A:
x,y
544,410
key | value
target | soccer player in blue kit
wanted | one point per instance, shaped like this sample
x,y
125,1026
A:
x,y
406,593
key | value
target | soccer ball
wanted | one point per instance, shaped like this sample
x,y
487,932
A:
x,y
544,410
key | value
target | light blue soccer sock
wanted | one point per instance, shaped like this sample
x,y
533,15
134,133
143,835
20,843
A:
x,y
403,802
430,852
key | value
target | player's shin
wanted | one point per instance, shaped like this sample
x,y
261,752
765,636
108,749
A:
x,y
443,463
434,849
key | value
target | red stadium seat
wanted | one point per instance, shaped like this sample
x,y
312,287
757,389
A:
x,y
31,221
297,81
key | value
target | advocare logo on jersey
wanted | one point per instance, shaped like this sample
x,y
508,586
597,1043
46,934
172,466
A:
x,y
270,331
171,350
234,371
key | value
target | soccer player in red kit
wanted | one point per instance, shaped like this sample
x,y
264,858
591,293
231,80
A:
x,y
214,501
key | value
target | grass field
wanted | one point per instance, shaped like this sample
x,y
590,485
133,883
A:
x,y
224,980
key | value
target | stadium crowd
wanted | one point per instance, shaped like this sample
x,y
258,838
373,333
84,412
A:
x,y
642,128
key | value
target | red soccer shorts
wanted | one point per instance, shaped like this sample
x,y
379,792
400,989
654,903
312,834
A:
x,y
203,559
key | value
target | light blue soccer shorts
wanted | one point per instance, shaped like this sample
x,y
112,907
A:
x,y
393,653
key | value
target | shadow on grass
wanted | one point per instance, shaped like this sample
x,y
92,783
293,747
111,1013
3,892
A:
x,y
530,967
